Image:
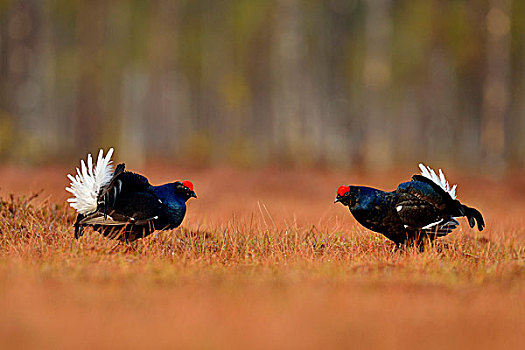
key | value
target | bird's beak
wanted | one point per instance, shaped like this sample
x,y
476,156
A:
x,y
337,199
194,195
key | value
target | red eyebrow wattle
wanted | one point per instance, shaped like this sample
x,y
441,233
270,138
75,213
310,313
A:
x,y
342,190
188,184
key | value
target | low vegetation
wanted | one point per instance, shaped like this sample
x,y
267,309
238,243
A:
x,y
248,275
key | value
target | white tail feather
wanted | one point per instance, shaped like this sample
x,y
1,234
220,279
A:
x,y
440,180
86,185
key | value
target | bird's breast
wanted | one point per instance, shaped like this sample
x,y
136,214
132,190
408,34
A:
x,y
175,213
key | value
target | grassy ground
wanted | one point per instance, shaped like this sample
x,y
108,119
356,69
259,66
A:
x,y
264,260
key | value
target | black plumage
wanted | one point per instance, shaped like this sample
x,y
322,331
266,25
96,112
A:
x,y
416,211
129,207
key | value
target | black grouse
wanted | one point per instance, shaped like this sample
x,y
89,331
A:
x,y
124,205
422,209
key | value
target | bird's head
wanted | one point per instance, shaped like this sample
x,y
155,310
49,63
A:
x,y
343,195
185,188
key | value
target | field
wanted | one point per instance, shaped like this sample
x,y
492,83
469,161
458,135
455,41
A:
x,y
264,259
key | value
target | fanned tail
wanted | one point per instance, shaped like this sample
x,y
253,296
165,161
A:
x,y
90,178
473,216
439,180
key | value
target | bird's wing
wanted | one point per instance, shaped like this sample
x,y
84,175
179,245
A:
x,y
425,191
137,208
122,182
416,213
420,215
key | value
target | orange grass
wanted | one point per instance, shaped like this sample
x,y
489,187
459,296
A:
x,y
264,260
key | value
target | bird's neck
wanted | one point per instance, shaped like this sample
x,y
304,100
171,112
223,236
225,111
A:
x,y
362,196
167,194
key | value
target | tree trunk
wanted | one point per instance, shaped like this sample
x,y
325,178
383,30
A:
x,y
496,93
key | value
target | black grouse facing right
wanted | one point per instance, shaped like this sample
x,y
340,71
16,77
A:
x,y
122,204
422,209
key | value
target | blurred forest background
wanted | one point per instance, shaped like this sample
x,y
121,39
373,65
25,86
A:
x,y
358,83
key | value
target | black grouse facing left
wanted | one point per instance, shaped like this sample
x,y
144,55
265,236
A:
x,y
417,211
124,205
